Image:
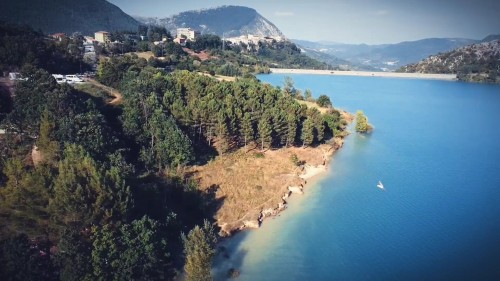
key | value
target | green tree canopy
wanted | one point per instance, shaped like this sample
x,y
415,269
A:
x,y
324,101
307,136
85,194
362,125
74,255
25,199
265,130
199,248
135,251
22,260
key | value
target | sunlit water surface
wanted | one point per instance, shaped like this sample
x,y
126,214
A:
x,y
435,147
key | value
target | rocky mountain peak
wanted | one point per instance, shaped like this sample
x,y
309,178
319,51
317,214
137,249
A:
x,y
229,21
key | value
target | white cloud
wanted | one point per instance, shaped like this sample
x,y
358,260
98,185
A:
x,y
284,14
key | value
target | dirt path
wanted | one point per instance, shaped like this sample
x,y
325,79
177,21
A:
x,y
118,97
203,55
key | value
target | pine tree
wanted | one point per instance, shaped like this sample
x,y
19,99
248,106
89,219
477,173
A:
x,y
307,136
320,128
14,171
46,143
247,129
135,251
291,130
222,132
279,125
265,130
74,256
25,199
165,144
308,95
199,248
85,194
288,86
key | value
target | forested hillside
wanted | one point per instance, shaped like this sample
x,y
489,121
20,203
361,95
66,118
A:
x,y
96,191
21,46
68,16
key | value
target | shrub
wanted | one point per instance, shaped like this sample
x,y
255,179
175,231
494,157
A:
x,y
324,101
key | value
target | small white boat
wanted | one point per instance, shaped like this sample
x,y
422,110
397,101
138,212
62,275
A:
x,y
380,185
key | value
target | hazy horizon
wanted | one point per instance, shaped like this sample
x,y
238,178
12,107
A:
x,y
355,21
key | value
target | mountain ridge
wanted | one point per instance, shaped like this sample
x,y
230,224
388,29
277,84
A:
x,y
387,57
68,16
228,20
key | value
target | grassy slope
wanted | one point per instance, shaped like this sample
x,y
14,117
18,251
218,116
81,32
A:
x,y
249,181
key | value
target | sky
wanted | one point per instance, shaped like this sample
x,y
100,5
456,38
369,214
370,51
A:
x,y
352,21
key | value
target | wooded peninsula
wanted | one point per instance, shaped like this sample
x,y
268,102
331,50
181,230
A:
x,y
127,176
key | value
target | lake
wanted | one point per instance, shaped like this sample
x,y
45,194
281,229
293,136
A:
x,y
435,147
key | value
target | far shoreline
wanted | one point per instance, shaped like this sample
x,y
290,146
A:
x,y
447,77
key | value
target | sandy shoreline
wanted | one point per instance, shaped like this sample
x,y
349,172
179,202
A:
x,y
312,171
449,77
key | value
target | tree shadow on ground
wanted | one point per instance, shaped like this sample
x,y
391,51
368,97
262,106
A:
x,y
176,204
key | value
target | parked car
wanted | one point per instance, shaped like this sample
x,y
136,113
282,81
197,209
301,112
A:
x,y
73,79
59,78
16,76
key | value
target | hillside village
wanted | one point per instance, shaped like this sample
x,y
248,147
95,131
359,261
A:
x,y
105,43
108,43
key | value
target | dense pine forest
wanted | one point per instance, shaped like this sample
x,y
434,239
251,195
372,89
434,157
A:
x,y
96,191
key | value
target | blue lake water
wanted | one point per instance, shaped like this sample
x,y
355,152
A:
x,y
436,148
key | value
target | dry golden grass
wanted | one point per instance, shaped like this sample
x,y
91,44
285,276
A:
x,y
144,55
36,155
314,105
250,181
220,77
225,78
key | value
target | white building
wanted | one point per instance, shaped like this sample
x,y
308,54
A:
x,y
102,36
189,33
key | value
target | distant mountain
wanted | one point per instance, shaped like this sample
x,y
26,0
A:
x,y
234,21
332,60
476,62
68,16
230,21
387,57
491,38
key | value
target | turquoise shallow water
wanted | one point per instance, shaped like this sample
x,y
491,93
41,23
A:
x,y
436,148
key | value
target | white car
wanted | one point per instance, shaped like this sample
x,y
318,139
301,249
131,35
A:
x,y
73,79
59,78
13,76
